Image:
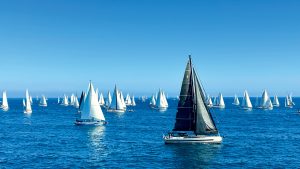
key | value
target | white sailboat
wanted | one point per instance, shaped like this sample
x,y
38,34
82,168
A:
x,y
246,103
152,101
220,102
133,101
128,100
276,101
269,104
122,100
91,113
76,103
65,101
27,103
194,122
101,100
236,101
264,99
43,101
58,100
209,101
116,102
289,101
161,102
108,100
4,104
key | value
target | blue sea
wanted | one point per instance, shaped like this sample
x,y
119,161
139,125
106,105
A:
x,y
48,138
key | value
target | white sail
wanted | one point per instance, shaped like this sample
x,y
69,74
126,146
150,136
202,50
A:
x,y
65,101
108,99
236,101
4,104
91,109
133,101
276,101
43,101
28,103
209,102
101,100
24,104
152,101
122,100
116,103
58,100
269,104
220,101
76,103
128,100
164,98
264,99
30,98
160,102
246,103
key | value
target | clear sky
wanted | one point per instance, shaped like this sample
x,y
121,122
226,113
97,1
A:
x,y
57,46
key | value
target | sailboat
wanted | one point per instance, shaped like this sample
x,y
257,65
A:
x,y
122,100
220,102
101,100
81,101
58,100
152,101
76,103
43,101
4,104
264,100
194,122
108,100
246,103
209,102
161,102
65,101
128,100
276,101
27,103
236,101
269,104
133,101
91,113
116,103
289,101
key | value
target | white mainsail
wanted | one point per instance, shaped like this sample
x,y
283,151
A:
x,y
264,99
108,99
24,104
91,109
116,102
122,100
161,100
76,103
133,101
276,101
128,100
28,103
152,101
101,100
220,101
269,104
65,101
43,101
236,101
4,105
246,103
58,100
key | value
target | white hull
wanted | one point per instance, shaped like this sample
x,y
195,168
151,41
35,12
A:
x,y
246,108
193,139
115,110
4,108
43,105
95,123
28,111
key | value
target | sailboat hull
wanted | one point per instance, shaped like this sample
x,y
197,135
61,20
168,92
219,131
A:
x,y
193,139
115,110
4,108
90,122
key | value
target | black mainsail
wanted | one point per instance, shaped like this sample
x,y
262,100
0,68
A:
x,y
192,112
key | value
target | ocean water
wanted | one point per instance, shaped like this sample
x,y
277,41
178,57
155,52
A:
x,y
48,138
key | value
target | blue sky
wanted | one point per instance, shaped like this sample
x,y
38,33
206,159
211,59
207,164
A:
x,y
57,46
